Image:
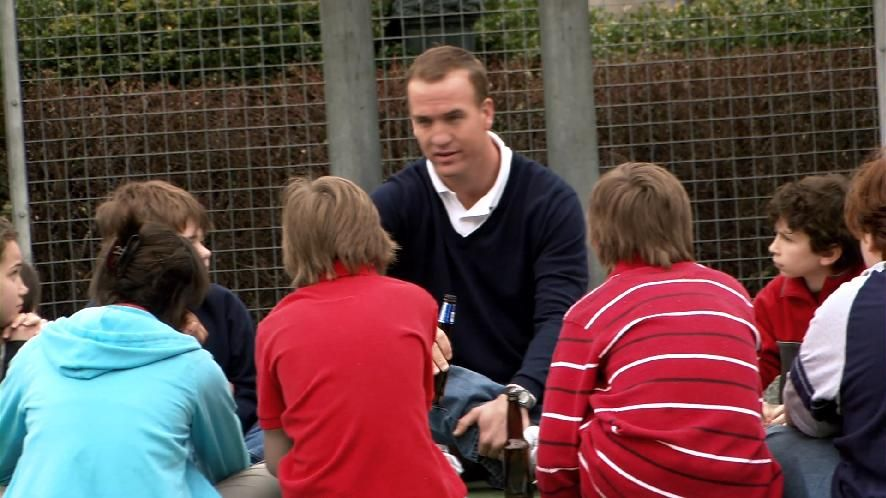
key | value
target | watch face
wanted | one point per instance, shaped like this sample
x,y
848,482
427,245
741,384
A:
x,y
523,398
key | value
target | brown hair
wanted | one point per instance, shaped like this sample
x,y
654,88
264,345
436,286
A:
x,y
152,201
151,266
815,206
866,200
327,220
31,300
640,211
7,234
436,63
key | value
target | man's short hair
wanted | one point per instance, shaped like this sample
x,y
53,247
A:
x,y
7,234
640,211
152,201
327,220
814,205
866,200
436,63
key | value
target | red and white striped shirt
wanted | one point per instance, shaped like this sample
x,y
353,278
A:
x,y
654,391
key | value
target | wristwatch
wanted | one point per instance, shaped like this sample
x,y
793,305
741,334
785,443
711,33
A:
x,y
524,397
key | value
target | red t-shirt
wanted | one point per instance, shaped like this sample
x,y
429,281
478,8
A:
x,y
344,368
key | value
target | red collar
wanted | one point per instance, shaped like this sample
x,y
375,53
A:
x,y
623,266
796,286
342,271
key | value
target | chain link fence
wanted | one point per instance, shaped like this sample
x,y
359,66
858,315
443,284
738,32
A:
x,y
226,99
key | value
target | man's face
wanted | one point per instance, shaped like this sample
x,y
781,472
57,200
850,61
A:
x,y
12,289
196,235
792,252
449,124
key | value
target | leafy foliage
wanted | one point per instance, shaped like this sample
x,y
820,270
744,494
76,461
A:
x,y
717,26
176,40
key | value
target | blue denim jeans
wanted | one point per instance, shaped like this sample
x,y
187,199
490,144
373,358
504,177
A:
x,y
808,463
255,444
464,390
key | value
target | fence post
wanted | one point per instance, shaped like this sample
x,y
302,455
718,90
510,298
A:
x,y
570,117
351,95
15,137
880,49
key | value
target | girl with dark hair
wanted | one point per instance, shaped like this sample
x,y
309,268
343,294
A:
x,y
114,401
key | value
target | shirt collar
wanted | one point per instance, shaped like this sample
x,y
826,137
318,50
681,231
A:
x,y
796,286
340,270
489,201
625,265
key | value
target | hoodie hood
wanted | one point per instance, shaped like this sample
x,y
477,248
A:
x,y
95,341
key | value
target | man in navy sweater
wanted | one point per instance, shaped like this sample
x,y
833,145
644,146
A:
x,y
500,231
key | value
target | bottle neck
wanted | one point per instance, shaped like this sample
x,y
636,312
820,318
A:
x,y
515,417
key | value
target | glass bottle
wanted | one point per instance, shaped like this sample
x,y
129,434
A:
x,y
445,322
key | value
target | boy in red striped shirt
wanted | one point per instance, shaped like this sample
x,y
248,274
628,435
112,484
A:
x,y
654,388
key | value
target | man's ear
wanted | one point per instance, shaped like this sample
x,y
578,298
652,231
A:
x,y
830,255
487,107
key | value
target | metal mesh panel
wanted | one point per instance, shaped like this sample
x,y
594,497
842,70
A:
x,y
224,99
736,101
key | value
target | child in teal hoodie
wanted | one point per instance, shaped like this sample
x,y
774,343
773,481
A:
x,y
114,401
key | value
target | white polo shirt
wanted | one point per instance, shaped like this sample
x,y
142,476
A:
x,y
465,221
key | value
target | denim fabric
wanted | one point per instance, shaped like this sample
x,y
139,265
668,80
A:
x,y
255,444
464,390
808,463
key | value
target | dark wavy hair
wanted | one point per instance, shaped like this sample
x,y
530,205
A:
x,y
814,205
151,266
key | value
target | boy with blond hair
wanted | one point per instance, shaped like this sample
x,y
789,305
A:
x,y
345,372
654,389
221,322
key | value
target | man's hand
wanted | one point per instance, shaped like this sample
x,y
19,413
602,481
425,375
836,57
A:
x,y
441,352
23,327
773,415
491,419
192,326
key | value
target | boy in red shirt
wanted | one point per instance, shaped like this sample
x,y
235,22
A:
x,y
814,253
345,374
654,388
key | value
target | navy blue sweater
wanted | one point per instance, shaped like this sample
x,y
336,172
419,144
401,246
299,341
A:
x,y
514,277
232,344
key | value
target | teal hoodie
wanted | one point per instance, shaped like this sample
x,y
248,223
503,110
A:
x,y
112,403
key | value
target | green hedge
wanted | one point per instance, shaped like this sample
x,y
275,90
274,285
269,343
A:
x,y
718,26
165,39
182,40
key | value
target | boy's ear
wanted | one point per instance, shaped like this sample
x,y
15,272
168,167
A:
x,y
830,255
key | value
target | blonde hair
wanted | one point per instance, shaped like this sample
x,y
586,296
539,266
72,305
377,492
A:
x,y
327,220
640,211
152,201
